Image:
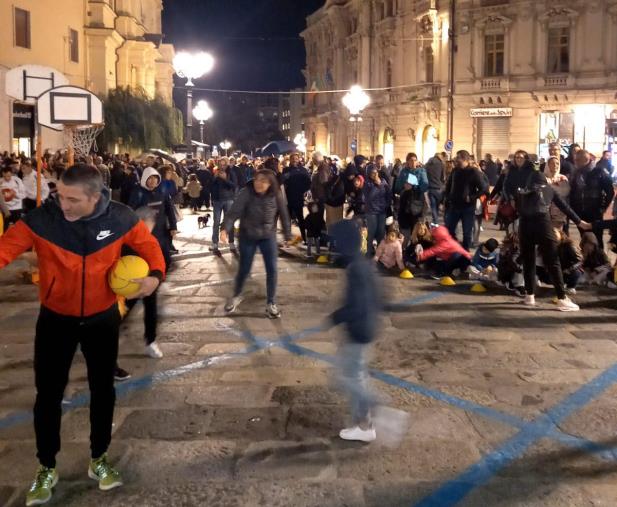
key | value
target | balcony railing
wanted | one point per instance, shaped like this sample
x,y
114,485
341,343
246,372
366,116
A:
x,y
556,81
490,84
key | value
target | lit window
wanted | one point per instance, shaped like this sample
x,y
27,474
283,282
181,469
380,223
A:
x,y
22,28
494,52
558,50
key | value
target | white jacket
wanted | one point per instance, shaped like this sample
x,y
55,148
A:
x,y
30,186
14,192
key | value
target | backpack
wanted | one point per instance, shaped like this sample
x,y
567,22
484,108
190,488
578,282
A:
x,y
535,199
415,204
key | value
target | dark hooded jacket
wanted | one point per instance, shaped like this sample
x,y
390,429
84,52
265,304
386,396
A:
x,y
360,310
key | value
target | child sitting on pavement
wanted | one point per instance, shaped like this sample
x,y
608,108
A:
x,y
389,254
484,262
509,267
596,266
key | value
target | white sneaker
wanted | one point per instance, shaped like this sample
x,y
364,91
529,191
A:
x,y
232,304
358,434
543,285
530,300
154,351
566,305
571,291
272,311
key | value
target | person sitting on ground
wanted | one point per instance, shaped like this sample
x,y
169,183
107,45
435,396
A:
x,y
446,256
571,263
315,225
484,261
193,189
420,235
596,266
389,254
509,266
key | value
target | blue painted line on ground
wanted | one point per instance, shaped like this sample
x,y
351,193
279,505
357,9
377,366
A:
x,y
608,453
479,474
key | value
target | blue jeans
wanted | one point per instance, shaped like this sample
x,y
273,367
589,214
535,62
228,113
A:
x,y
220,208
376,228
467,216
434,197
269,251
352,359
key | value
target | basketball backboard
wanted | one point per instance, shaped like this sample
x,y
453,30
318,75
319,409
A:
x,y
27,82
69,105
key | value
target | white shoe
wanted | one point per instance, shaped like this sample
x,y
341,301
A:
x,y
566,305
358,434
571,291
232,304
530,300
154,351
272,311
543,285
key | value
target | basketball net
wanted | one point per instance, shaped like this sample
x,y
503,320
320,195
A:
x,y
81,139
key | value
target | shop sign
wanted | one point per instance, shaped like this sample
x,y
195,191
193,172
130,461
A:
x,y
490,112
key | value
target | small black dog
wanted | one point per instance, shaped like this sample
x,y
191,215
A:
x,y
202,222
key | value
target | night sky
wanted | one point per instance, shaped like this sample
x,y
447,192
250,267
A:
x,y
231,31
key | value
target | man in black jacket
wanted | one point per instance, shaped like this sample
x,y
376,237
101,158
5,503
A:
x,y
436,174
592,191
297,182
465,185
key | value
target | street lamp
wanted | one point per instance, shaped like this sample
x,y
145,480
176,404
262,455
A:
x,y
300,142
225,145
202,113
356,100
191,66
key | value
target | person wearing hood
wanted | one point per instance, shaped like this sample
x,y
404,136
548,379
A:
x,y
359,314
205,177
532,196
258,207
78,238
149,194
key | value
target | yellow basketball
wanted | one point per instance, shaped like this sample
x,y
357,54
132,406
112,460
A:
x,y
129,267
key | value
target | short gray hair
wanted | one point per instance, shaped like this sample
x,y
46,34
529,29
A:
x,y
88,176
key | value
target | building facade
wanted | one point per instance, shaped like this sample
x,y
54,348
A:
x,y
526,73
291,109
96,44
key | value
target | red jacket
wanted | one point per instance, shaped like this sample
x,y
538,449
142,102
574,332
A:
x,y
444,246
75,257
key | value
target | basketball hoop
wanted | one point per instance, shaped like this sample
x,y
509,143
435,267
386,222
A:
x,y
82,138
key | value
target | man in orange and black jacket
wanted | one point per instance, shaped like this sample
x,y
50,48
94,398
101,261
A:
x,y
78,238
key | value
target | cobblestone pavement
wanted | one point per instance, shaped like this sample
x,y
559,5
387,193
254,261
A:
x,y
508,406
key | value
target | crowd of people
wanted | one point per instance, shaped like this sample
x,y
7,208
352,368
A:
x,y
398,217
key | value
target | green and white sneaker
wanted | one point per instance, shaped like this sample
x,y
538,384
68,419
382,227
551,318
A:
x,y
40,491
100,470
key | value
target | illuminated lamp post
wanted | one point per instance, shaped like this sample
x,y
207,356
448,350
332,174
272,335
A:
x,y
191,66
356,100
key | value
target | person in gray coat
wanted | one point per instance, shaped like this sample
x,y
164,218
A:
x,y
258,207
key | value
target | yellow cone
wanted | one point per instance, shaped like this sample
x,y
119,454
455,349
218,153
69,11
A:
x,y
406,274
478,287
322,259
447,281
